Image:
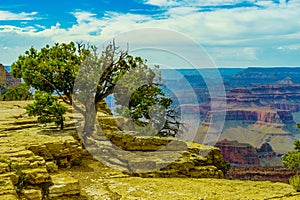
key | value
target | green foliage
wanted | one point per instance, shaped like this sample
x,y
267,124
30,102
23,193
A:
x,y
15,93
295,182
52,69
2,89
47,108
292,159
55,69
141,98
22,182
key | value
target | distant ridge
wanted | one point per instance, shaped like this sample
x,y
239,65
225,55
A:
x,y
286,81
264,75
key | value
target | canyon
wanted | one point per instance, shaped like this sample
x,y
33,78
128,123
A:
x,y
261,106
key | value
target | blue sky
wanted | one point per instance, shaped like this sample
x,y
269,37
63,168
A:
x,y
234,33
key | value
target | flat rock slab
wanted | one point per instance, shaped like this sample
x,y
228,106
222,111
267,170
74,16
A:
x,y
7,189
64,185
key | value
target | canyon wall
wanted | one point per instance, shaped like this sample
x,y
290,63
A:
x,y
243,154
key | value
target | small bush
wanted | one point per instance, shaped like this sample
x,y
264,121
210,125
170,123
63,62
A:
x,y
47,108
16,93
295,182
292,161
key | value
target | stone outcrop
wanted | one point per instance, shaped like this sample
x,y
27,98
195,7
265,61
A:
x,y
261,173
63,185
157,157
2,74
7,189
30,176
238,153
6,78
243,154
29,163
252,116
64,152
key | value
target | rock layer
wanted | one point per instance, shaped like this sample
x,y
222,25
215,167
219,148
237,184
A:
x,y
158,157
243,154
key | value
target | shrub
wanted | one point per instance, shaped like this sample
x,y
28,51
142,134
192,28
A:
x,y
15,93
295,182
292,161
47,108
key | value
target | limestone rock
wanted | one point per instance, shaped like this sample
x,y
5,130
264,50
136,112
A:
x,y
64,185
8,197
7,189
65,150
32,194
17,163
41,150
51,167
4,167
159,157
12,176
142,143
36,176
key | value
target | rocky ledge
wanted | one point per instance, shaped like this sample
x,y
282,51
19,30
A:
x,y
157,157
29,166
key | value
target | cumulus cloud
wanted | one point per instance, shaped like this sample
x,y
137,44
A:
x,y
240,34
7,15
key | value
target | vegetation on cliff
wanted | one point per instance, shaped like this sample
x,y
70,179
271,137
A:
x,y
47,108
17,93
82,78
292,160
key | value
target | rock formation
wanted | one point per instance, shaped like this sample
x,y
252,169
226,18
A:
x,y
2,75
243,154
32,158
157,157
6,78
238,153
34,176
256,115
261,173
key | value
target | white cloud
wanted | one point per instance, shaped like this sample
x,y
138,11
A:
x,y
162,2
166,3
7,15
234,35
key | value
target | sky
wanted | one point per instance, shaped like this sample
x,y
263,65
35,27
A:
x,y
233,33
